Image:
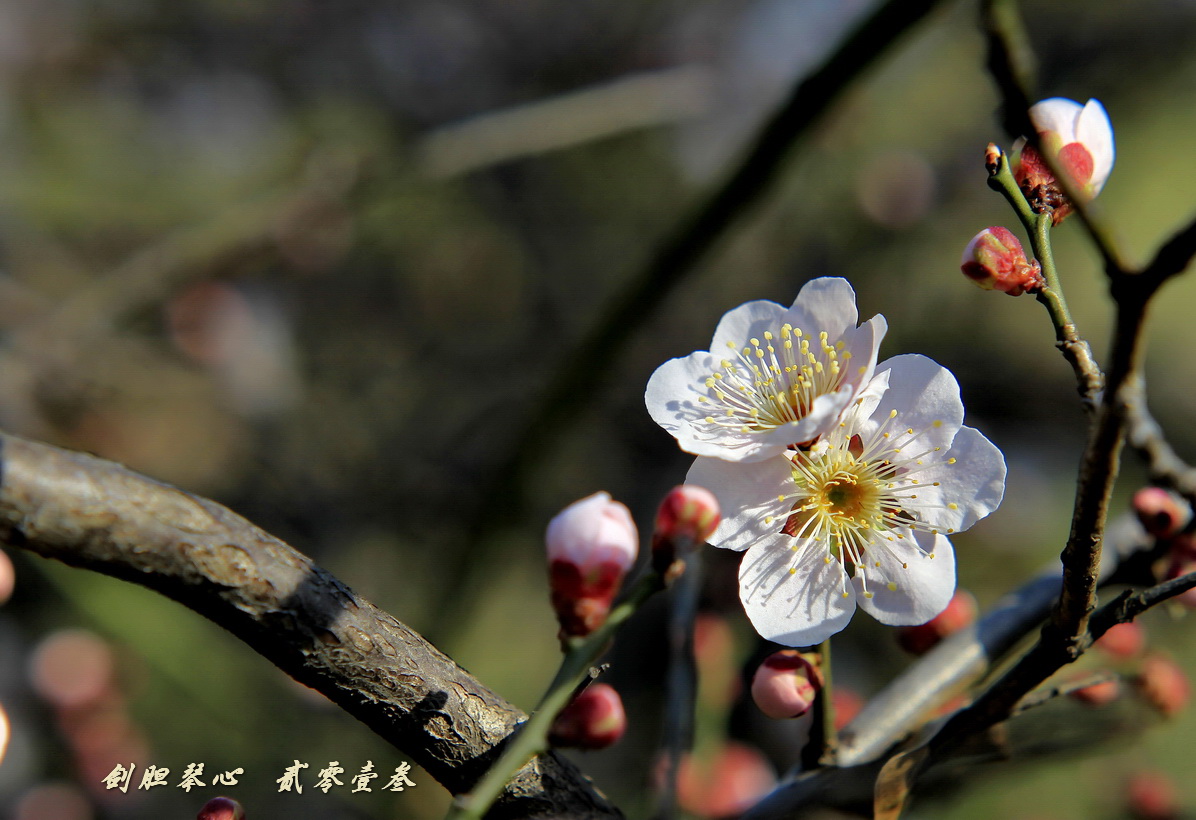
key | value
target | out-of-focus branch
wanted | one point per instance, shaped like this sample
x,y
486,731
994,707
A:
x,y
1173,258
1166,468
698,233
95,514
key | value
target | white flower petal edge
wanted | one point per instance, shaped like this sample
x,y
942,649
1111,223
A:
x,y
773,377
862,515
927,572
747,495
794,614
1095,132
1057,115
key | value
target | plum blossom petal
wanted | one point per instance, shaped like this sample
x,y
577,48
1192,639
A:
x,y
773,377
798,602
909,582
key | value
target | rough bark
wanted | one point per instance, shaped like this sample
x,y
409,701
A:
x,y
98,515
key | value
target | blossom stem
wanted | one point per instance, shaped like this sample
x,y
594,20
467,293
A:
x,y
830,738
531,738
1075,349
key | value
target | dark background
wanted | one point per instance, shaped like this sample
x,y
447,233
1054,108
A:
x,y
318,261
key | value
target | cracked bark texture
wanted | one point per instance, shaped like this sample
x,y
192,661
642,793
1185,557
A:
x,y
98,515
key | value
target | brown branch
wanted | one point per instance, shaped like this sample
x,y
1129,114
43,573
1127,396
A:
x,y
98,515
1129,605
1172,258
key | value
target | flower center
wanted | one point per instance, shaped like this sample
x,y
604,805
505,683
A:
x,y
846,498
852,495
772,382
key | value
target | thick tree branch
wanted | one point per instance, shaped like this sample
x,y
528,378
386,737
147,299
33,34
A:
x,y
95,514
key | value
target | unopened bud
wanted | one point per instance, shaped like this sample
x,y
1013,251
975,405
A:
x,y
727,785
1161,513
1181,562
1123,641
995,260
1150,795
591,545
593,720
1101,693
221,808
1164,684
687,514
847,703
1079,140
786,684
920,639
992,158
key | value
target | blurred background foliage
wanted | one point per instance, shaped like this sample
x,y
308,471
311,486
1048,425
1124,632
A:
x,y
318,261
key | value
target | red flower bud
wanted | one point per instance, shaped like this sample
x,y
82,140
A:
x,y
1152,796
1123,640
1080,140
1161,513
1181,562
847,703
591,545
786,684
920,639
1164,684
221,808
995,260
1097,694
688,513
593,720
727,785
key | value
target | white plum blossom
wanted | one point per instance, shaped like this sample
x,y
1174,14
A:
x,y
773,376
1078,137
863,515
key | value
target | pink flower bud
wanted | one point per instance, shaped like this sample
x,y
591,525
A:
x,y
1181,562
1164,684
591,545
1123,641
687,512
221,808
1161,514
786,684
1150,795
920,639
1079,138
1097,694
995,260
727,785
593,720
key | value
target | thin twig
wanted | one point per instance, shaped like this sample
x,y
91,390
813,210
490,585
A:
x,y
1165,466
1129,605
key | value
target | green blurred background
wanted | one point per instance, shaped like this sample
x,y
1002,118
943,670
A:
x,y
318,261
